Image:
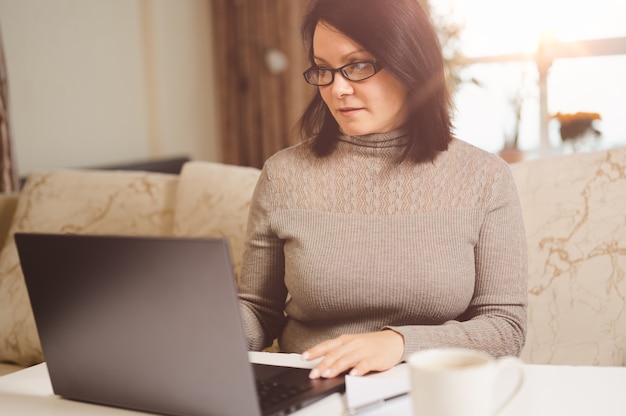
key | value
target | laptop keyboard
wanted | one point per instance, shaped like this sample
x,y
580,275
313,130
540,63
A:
x,y
271,392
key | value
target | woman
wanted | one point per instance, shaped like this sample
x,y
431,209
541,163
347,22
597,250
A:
x,y
382,234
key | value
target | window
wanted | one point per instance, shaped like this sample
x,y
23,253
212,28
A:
x,y
509,33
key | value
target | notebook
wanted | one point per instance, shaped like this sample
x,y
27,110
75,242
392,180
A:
x,y
150,324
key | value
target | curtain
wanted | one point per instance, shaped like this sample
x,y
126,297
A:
x,y
8,176
259,63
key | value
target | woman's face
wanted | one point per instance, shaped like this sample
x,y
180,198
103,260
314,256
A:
x,y
374,105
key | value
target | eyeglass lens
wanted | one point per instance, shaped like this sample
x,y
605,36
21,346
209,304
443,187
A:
x,y
357,71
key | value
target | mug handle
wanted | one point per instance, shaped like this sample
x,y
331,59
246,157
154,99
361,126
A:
x,y
510,362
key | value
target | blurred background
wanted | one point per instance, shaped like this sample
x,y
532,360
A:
x,y
100,82
568,53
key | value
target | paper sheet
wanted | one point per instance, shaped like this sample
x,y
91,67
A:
x,y
367,389
282,359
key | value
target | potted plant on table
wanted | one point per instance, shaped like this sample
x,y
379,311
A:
x,y
577,129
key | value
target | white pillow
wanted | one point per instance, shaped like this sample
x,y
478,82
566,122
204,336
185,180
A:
x,y
213,200
76,202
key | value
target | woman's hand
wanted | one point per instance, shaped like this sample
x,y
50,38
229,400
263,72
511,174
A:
x,y
359,353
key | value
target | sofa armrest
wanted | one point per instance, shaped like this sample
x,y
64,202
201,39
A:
x,y
8,203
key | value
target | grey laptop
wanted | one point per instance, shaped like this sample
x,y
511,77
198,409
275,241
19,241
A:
x,y
151,324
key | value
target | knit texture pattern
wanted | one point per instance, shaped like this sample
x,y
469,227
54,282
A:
x,y
357,242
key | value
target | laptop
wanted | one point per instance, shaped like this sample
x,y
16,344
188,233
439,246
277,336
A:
x,y
151,324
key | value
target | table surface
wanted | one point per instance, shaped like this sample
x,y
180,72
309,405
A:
x,y
547,390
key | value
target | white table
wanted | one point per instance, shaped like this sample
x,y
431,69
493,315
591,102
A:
x,y
548,390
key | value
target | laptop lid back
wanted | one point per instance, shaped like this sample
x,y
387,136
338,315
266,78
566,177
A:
x,y
109,311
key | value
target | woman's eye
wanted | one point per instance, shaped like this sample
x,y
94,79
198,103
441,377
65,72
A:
x,y
359,67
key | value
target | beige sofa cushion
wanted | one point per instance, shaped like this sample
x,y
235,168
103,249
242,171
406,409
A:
x,y
213,201
575,214
85,202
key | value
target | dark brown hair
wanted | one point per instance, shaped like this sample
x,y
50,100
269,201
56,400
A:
x,y
400,35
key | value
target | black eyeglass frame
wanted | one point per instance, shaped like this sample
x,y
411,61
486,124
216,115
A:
x,y
377,67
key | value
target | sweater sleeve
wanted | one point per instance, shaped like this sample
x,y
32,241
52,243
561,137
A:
x,y
495,320
262,291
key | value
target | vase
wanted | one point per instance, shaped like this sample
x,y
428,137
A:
x,y
511,155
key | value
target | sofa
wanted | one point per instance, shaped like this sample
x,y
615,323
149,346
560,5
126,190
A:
x,y
574,210
204,199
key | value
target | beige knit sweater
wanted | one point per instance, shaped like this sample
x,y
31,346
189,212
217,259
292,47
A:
x,y
435,251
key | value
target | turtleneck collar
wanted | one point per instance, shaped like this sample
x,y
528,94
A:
x,y
396,138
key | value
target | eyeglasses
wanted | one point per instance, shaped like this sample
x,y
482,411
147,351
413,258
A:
x,y
356,71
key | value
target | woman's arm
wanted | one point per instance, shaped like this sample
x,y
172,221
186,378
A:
x,y
495,320
262,290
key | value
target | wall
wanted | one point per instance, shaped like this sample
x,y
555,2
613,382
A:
x,y
109,81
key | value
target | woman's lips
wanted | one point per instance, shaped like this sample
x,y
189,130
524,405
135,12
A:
x,y
348,111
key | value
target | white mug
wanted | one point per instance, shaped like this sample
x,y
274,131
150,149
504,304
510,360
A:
x,y
459,382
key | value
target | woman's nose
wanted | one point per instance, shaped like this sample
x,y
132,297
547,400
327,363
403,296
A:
x,y
341,86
